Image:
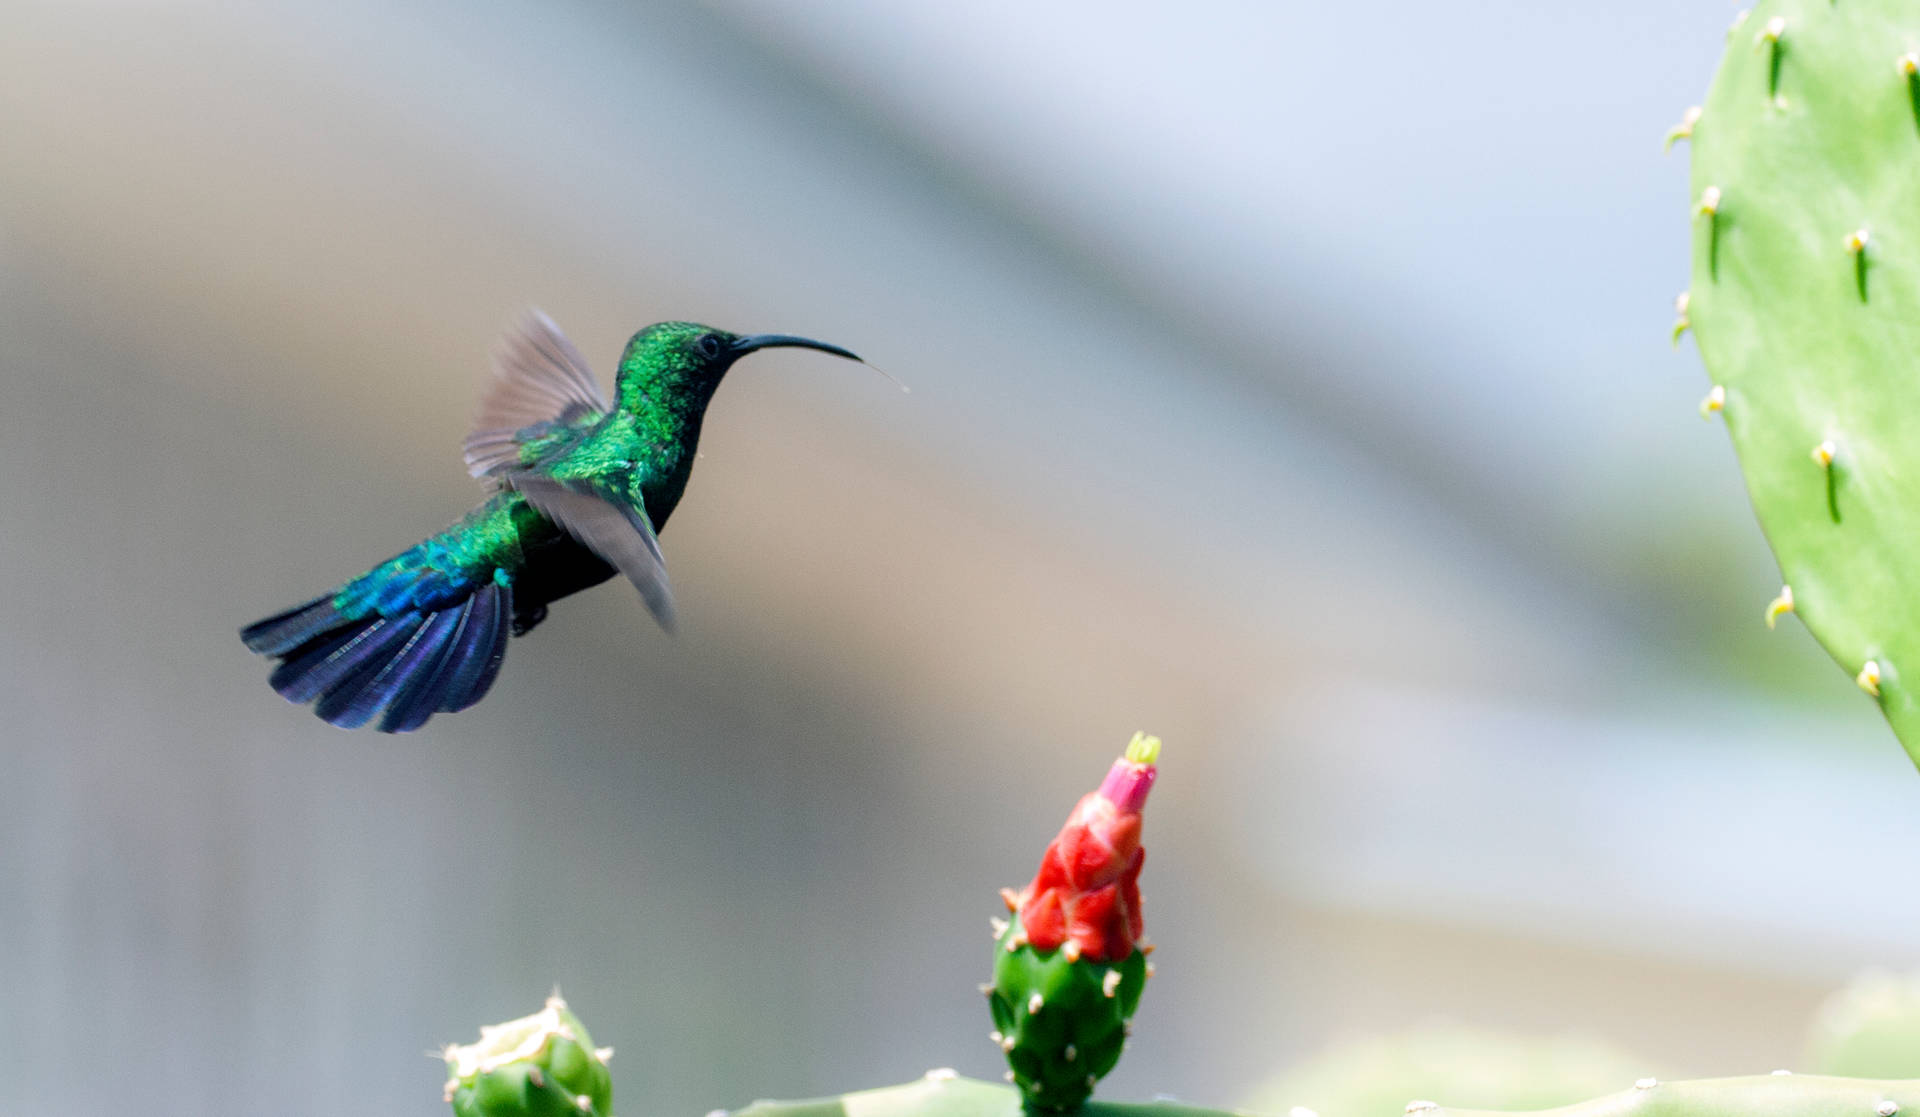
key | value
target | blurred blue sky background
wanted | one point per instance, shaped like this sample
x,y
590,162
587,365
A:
x,y
1290,380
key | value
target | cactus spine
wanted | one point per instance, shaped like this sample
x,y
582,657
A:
x,y
544,1065
1805,302
1070,964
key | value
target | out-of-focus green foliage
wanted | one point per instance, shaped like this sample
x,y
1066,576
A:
x,y
1870,1029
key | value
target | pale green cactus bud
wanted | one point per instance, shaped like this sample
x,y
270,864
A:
x,y
544,1065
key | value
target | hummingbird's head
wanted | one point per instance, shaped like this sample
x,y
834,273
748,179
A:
x,y
685,360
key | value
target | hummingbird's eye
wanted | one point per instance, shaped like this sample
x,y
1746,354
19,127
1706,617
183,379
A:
x,y
709,345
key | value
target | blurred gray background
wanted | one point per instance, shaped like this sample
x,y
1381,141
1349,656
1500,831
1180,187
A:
x,y
1289,380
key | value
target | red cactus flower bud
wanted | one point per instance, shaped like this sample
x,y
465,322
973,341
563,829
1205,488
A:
x,y
1085,899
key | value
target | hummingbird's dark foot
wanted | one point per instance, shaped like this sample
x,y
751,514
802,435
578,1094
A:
x,y
523,622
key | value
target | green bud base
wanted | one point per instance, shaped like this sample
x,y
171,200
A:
x,y
1062,1024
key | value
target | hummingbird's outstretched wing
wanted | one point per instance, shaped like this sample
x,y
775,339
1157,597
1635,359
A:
x,y
616,531
541,387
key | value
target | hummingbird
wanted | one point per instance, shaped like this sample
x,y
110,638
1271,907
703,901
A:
x,y
579,487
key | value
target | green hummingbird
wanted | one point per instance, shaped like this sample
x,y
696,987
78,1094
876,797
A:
x,y
580,488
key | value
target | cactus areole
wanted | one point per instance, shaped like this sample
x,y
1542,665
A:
x,y
1070,965
1805,303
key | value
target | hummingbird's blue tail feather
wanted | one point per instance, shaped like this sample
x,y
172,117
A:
x,y
283,632
411,665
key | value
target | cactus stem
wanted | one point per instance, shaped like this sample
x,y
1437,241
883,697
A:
x,y
1781,604
1769,37
1684,129
1035,1003
1646,1083
1857,247
1715,400
1869,677
1110,984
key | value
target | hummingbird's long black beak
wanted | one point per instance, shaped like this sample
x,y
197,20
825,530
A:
x,y
748,344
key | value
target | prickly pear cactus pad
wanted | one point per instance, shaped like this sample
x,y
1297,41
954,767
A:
x,y
942,1093
1805,302
1461,1065
544,1065
1776,1095
1070,964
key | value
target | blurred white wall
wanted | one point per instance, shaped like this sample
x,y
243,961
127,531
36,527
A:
x,y
1290,381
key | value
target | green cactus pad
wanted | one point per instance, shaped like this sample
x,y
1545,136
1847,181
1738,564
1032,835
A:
x,y
1374,1076
944,1094
1775,1095
941,1094
1805,302
544,1065
1062,1023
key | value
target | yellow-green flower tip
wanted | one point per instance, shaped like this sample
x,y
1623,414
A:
x,y
1144,749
